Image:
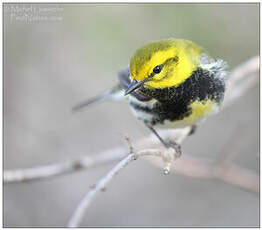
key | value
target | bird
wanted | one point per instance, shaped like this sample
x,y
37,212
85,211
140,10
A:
x,y
169,83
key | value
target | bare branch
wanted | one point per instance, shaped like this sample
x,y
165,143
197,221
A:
x,y
241,79
242,71
63,168
222,168
196,167
75,220
238,176
205,168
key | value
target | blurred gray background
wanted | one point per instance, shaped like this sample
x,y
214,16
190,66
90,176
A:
x,y
57,55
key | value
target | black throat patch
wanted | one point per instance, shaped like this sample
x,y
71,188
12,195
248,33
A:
x,y
174,101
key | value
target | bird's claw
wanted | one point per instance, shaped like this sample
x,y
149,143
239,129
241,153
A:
x,y
175,146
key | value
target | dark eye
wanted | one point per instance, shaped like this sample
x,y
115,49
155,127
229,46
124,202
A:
x,y
157,69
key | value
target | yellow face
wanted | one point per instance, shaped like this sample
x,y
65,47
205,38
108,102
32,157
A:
x,y
165,63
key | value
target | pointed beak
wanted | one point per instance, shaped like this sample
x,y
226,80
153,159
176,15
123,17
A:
x,y
134,85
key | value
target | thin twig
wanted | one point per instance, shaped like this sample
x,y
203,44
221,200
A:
x,y
238,176
196,167
101,185
222,168
242,70
63,168
241,79
205,168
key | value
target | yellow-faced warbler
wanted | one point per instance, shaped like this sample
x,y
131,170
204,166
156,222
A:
x,y
170,82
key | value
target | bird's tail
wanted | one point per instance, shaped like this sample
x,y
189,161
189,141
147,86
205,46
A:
x,y
115,94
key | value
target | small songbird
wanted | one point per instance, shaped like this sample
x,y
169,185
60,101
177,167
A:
x,y
173,83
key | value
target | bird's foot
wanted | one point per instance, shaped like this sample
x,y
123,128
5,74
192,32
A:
x,y
175,146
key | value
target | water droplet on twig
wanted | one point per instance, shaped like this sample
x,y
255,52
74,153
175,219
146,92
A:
x,y
166,170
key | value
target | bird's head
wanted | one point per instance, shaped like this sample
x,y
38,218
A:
x,y
164,63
